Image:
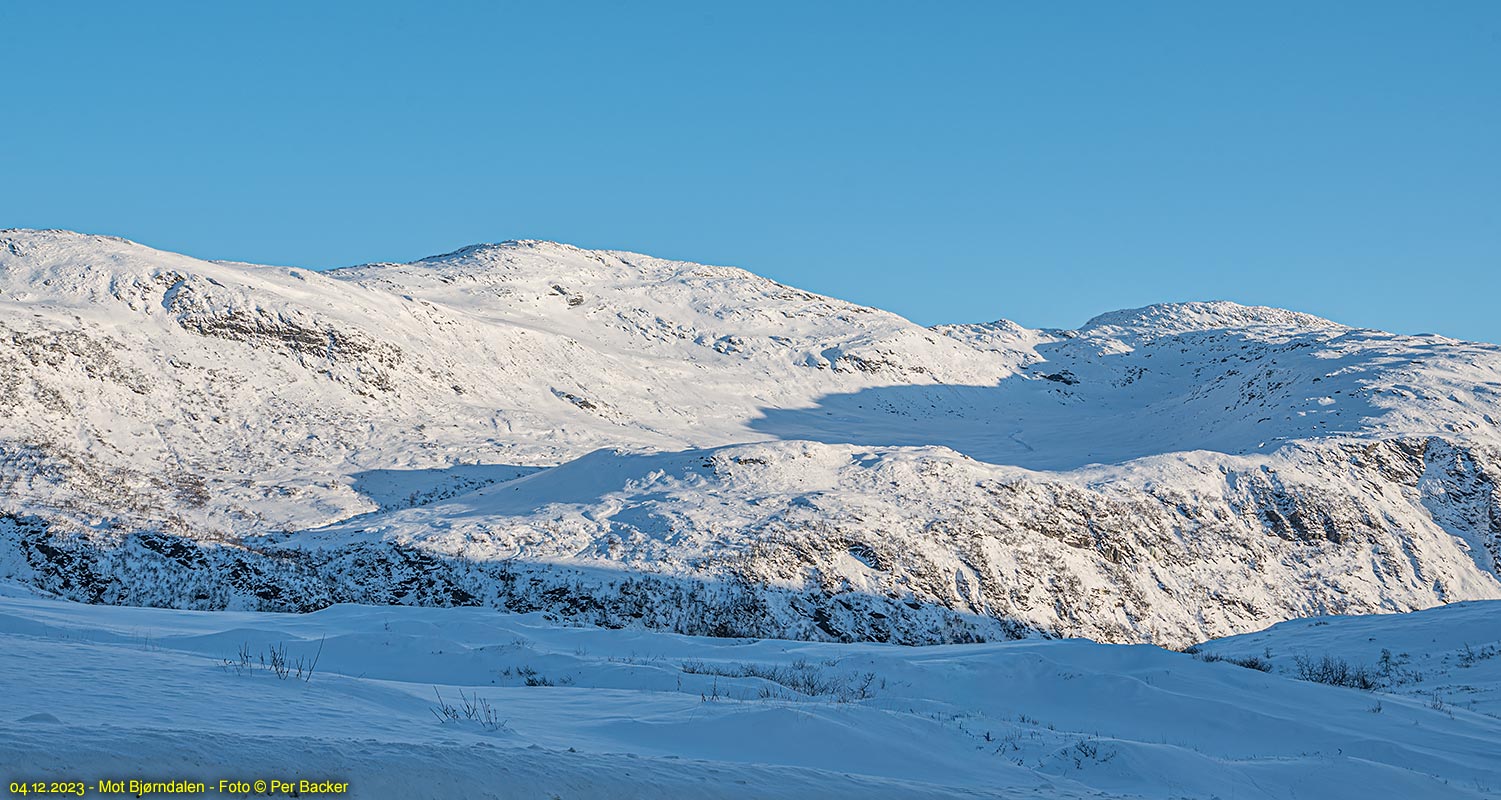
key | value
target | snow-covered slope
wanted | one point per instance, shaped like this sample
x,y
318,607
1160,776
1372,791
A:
x,y
622,440
1448,658
589,713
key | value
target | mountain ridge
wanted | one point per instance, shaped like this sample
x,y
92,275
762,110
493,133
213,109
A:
x,y
211,434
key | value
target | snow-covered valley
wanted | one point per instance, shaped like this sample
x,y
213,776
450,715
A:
x,y
549,711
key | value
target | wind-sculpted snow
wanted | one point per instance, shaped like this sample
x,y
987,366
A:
x,y
540,710
627,441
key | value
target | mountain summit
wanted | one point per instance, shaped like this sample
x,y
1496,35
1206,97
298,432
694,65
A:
x,y
1171,318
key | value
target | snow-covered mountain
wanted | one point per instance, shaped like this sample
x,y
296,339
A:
x,y
622,440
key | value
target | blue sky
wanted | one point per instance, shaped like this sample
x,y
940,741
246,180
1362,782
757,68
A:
x,y
952,162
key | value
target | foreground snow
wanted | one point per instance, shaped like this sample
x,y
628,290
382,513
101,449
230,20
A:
x,y
98,692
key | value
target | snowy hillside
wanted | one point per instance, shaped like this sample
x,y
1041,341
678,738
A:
x,y
420,702
619,440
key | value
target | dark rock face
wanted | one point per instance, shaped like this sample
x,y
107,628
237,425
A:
x,y
1462,490
980,572
314,341
161,570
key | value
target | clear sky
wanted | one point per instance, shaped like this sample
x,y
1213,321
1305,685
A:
x,y
1042,162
